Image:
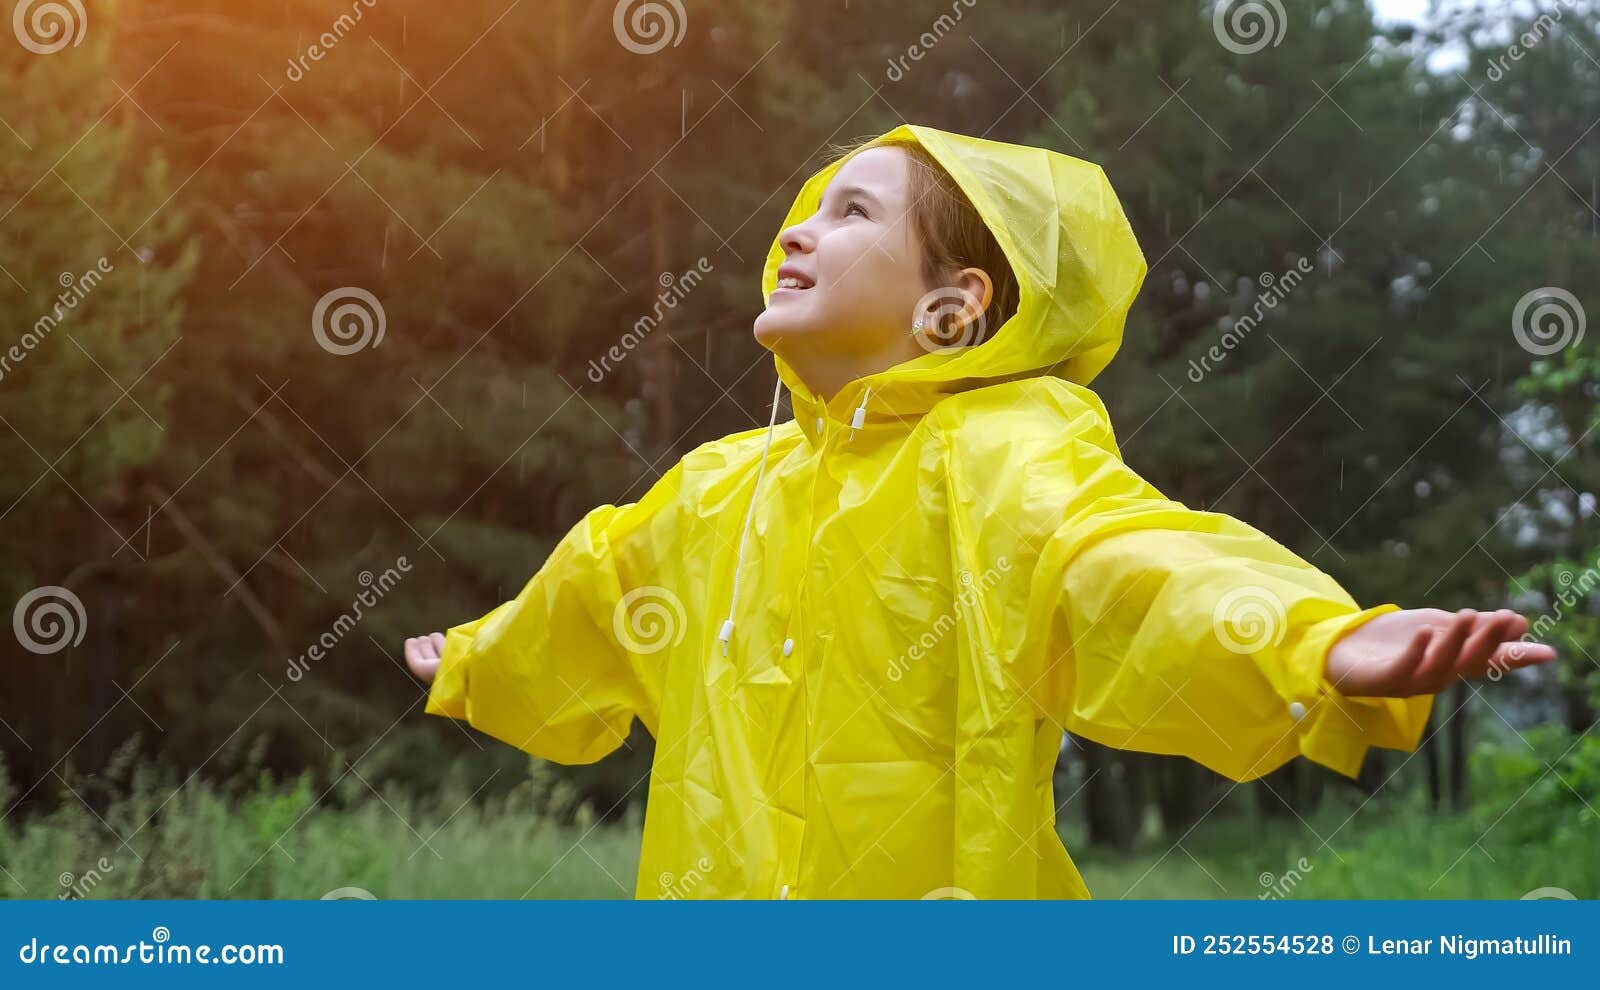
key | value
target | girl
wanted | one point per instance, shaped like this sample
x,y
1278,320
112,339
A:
x,y
857,635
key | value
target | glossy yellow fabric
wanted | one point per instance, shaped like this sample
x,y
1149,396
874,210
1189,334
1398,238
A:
x,y
972,571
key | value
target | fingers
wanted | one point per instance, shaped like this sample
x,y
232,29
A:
x,y
1493,629
427,647
1512,656
1438,664
1403,668
1521,653
1518,625
1473,644
422,655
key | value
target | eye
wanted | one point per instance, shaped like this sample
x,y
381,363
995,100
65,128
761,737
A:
x,y
854,205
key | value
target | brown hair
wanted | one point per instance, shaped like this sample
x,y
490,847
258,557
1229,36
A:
x,y
952,233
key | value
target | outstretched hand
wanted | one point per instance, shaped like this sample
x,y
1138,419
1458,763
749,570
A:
x,y
1423,650
422,655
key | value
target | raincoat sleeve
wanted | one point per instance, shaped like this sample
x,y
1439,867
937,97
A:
x,y
561,670
1165,629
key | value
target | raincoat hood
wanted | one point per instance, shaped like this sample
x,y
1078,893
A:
x,y
1077,264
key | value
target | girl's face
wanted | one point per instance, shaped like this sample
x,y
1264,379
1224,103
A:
x,y
849,288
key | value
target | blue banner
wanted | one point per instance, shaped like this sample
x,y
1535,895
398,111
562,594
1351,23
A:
x,y
275,943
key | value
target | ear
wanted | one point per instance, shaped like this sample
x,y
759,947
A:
x,y
977,290
977,285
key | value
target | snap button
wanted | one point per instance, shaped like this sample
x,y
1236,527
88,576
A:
x,y
788,647
784,895
1297,711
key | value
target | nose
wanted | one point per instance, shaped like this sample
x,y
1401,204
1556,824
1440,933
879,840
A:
x,y
796,239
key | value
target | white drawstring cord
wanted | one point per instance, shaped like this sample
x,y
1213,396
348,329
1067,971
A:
x,y
861,412
726,633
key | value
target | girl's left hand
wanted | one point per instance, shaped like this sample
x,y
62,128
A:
x,y
1423,650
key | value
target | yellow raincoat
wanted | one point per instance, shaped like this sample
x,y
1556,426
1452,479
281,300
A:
x,y
857,635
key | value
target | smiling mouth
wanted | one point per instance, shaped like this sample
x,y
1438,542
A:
x,y
789,282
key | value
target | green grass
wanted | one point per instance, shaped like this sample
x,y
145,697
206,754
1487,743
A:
x,y
272,843
1395,851
1533,825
